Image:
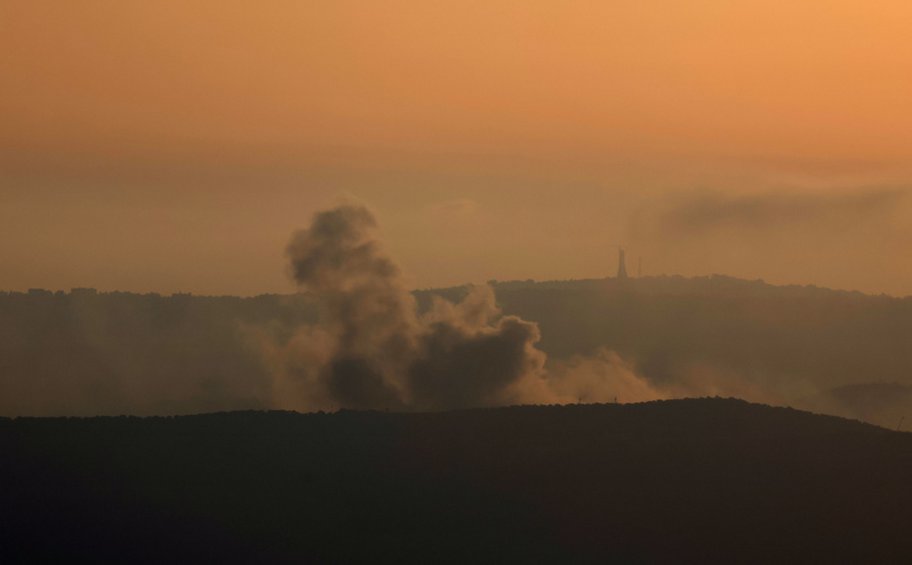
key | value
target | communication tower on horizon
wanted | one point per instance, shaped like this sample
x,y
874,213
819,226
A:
x,y
622,264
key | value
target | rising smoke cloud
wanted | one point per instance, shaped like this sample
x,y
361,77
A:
x,y
372,348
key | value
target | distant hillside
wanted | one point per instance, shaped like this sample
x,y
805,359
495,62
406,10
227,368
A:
x,y
886,404
775,344
86,353
812,333
675,481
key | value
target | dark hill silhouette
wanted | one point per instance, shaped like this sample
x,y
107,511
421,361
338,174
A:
x,y
702,480
85,353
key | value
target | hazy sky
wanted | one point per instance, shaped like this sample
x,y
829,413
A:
x,y
175,146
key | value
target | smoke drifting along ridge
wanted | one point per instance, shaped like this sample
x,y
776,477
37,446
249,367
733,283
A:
x,y
372,349
357,338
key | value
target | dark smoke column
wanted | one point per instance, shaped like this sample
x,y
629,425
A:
x,y
366,308
382,353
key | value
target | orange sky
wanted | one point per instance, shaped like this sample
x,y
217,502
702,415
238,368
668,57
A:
x,y
167,146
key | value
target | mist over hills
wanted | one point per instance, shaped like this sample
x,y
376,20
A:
x,y
85,353
686,481
343,153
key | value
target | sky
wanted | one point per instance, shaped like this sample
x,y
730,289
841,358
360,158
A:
x,y
176,146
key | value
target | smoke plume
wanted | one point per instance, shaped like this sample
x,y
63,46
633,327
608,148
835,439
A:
x,y
373,350
357,338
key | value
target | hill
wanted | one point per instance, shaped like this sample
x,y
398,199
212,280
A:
x,y
87,353
685,481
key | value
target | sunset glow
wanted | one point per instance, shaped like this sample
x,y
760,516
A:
x,y
172,146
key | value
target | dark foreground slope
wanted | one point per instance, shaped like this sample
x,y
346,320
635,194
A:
x,y
686,480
